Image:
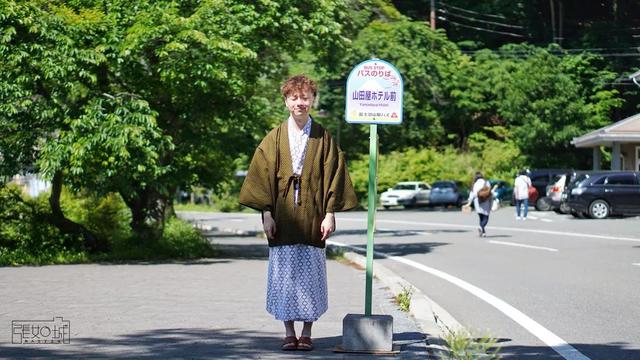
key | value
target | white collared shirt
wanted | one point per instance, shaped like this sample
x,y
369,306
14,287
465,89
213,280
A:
x,y
298,144
298,147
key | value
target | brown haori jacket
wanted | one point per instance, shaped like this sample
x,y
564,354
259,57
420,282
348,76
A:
x,y
325,185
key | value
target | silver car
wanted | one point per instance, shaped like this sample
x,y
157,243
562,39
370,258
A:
x,y
407,193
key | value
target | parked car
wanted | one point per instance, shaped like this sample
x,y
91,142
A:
x,y
502,190
540,178
407,194
575,177
554,193
447,192
603,194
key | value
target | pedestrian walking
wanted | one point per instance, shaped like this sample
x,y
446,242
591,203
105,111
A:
x,y
480,196
521,187
298,179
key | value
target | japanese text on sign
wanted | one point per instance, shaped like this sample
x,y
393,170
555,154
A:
x,y
374,85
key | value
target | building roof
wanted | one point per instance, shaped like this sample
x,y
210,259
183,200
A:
x,y
623,131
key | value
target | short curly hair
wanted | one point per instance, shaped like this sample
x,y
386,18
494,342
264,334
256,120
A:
x,y
298,83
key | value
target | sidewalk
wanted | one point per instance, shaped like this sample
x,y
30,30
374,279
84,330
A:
x,y
208,309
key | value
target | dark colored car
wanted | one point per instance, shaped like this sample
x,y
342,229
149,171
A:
x,y
447,192
540,179
575,177
502,190
602,194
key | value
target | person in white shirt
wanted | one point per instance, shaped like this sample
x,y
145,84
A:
x,y
521,191
483,207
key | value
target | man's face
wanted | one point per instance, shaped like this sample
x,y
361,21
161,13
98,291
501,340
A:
x,y
299,104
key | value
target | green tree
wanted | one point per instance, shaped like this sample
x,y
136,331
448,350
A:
x,y
43,80
143,97
424,58
546,100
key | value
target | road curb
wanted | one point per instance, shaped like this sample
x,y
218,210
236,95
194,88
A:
x,y
434,321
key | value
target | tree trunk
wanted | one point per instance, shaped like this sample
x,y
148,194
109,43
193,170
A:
x,y
170,211
148,213
90,241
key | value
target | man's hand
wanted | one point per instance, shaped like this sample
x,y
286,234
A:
x,y
269,225
328,226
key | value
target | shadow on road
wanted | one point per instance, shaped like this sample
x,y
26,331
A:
x,y
407,249
497,236
255,251
400,249
157,262
424,208
400,233
243,251
617,351
186,343
198,343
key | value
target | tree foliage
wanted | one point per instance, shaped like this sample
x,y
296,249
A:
x,y
543,99
143,97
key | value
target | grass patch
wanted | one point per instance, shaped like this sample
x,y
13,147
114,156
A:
x,y
463,346
16,257
335,253
219,207
404,298
195,207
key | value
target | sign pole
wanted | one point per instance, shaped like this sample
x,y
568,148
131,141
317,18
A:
x,y
374,97
373,167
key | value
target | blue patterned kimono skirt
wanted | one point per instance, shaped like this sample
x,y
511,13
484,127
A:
x,y
297,285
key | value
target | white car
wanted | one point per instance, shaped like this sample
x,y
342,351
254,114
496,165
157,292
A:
x,y
406,193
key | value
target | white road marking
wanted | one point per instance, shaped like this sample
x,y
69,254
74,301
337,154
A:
x,y
552,340
549,232
546,220
532,217
636,264
522,245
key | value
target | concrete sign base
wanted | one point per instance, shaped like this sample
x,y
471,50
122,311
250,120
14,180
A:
x,y
367,333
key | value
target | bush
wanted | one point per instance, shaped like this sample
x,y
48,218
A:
x,y
227,198
26,235
180,240
108,217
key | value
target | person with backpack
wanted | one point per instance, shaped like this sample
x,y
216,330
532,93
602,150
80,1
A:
x,y
521,193
481,197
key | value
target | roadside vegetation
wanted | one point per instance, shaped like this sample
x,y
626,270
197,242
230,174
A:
x,y
28,238
404,298
335,253
464,346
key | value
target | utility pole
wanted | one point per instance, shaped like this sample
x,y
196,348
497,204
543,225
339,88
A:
x,y
432,15
553,21
560,16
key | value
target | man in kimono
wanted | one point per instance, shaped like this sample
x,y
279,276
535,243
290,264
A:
x,y
298,179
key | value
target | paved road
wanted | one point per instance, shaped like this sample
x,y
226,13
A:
x,y
549,287
205,309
